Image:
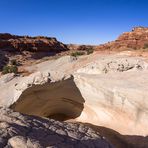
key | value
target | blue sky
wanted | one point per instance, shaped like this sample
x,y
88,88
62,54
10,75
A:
x,y
73,21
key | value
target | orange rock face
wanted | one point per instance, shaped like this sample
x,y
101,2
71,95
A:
x,y
136,39
10,42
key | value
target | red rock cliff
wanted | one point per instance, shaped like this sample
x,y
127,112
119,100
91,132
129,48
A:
x,y
10,42
136,39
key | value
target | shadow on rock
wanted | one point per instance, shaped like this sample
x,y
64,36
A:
x,y
119,140
32,131
60,100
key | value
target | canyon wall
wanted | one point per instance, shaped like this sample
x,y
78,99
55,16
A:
x,y
16,43
109,91
136,39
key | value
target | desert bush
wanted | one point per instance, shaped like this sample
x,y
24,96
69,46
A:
x,y
77,53
5,70
13,69
89,51
10,69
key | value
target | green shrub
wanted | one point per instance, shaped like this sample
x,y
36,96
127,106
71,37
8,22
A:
x,y
89,51
5,70
77,53
13,69
10,69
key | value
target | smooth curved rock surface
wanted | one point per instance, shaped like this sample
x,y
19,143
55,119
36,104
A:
x,y
17,130
108,91
116,101
61,100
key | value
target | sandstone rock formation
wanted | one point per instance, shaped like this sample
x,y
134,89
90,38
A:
x,y
27,50
13,43
136,39
17,130
108,91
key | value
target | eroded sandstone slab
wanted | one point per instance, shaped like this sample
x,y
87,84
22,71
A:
x,y
117,101
108,91
18,130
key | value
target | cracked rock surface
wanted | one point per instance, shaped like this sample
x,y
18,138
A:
x,y
18,130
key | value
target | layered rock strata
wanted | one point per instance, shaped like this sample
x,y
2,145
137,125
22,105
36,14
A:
x,y
136,39
110,91
16,43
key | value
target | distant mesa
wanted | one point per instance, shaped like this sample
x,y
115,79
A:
x,y
136,39
10,42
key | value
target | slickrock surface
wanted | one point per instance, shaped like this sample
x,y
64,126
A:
x,y
22,131
136,39
108,91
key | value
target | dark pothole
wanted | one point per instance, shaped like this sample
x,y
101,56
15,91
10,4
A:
x,y
60,101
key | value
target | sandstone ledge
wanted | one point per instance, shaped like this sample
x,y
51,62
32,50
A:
x,y
18,130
